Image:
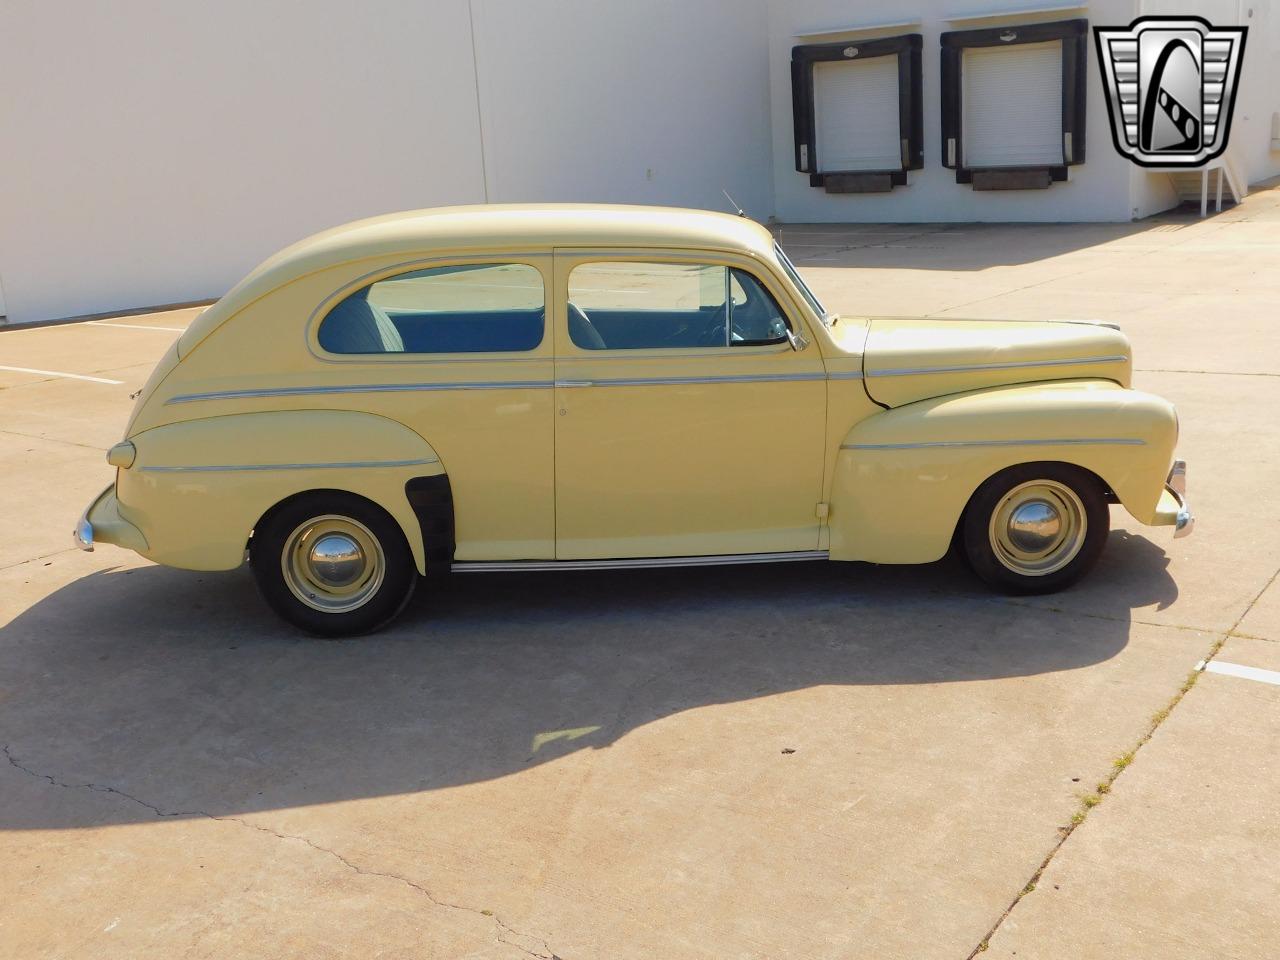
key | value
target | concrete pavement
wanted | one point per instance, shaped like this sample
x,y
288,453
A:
x,y
797,761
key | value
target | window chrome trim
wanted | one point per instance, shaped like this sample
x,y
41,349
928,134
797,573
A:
x,y
516,566
793,275
360,388
460,258
969,367
1055,442
335,465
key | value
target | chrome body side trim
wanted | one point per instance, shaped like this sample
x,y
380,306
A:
x,y
515,566
334,465
359,388
504,385
1058,442
681,381
1005,365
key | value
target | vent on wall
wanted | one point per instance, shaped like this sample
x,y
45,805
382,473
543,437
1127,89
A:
x,y
1013,104
858,113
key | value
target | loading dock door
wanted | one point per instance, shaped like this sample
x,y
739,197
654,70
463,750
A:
x,y
857,115
1013,105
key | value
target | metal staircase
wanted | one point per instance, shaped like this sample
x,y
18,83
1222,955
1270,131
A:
x,y
1196,184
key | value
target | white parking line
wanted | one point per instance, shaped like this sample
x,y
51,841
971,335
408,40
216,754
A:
x,y
1246,673
59,373
135,326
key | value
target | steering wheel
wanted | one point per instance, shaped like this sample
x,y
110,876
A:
x,y
713,335
582,331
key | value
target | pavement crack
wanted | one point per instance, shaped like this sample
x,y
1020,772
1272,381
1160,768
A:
x,y
96,787
1120,764
70,443
528,944
1123,762
1235,627
43,556
1110,618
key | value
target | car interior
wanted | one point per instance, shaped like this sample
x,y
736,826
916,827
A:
x,y
357,325
754,316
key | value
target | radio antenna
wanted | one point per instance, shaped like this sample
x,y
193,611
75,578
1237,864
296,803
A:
x,y
733,203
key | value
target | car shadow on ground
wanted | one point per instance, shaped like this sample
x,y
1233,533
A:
x,y
960,246
181,688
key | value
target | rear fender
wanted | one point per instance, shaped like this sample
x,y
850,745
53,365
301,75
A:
x,y
197,488
903,477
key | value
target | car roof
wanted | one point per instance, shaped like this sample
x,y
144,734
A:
x,y
482,228
543,225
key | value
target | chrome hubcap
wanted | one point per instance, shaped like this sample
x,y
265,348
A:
x,y
1034,526
333,564
1037,528
336,559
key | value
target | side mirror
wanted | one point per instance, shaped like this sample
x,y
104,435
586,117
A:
x,y
797,341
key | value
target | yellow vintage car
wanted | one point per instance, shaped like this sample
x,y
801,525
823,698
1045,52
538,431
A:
x,y
564,387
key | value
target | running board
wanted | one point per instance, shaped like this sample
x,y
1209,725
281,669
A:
x,y
515,566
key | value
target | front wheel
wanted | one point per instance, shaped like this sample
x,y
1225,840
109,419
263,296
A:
x,y
333,564
1036,527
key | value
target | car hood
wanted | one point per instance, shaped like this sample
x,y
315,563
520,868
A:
x,y
905,360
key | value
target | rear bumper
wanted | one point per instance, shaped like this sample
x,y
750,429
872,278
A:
x,y
1174,510
101,523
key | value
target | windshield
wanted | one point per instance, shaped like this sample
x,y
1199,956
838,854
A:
x,y
794,275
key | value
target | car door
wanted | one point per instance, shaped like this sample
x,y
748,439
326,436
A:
x,y
686,424
461,352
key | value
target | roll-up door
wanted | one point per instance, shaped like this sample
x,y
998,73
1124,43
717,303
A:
x,y
1013,105
856,106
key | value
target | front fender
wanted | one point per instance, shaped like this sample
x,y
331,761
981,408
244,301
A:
x,y
197,488
903,477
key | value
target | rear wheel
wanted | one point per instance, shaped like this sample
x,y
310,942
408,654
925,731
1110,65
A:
x,y
1036,527
333,564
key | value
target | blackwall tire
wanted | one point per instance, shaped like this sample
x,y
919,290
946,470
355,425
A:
x,y
1036,527
333,564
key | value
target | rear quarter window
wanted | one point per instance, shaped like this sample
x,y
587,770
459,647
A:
x,y
473,308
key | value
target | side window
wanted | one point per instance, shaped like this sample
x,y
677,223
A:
x,y
755,317
477,308
647,306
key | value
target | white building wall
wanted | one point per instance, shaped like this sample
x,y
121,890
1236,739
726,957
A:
x,y
1098,189
663,101
155,151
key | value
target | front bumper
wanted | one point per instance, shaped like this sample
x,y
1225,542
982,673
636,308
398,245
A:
x,y
83,533
1176,487
101,523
